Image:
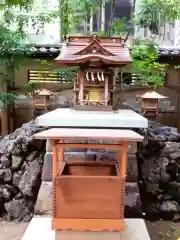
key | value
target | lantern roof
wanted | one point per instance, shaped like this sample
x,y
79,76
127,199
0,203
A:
x,y
44,92
152,95
80,49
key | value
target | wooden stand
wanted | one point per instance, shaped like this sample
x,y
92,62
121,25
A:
x,y
88,195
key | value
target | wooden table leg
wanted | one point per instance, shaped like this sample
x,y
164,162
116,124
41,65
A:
x,y
60,152
124,160
54,160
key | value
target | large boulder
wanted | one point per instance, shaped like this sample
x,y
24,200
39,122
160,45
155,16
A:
x,y
159,165
21,162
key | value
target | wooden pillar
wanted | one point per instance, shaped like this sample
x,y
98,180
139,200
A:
x,y
124,160
75,91
81,86
54,161
61,152
4,113
4,123
178,109
106,91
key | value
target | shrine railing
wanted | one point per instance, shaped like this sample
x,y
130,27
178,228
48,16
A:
x,y
46,76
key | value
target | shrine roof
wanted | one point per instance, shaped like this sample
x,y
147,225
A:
x,y
152,95
44,92
83,49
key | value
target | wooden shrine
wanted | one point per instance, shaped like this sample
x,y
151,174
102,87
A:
x,y
97,57
88,195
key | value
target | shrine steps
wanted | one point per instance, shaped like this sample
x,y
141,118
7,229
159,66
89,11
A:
x,y
40,229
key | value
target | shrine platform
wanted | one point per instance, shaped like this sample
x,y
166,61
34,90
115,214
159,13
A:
x,y
40,229
66,117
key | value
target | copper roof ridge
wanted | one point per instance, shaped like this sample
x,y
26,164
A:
x,y
95,41
90,56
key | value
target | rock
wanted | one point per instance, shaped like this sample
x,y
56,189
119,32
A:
x,y
174,189
151,170
30,177
19,209
173,138
7,191
160,138
37,144
161,130
17,178
175,155
5,175
17,142
152,188
132,200
6,194
152,208
4,162
165,177
32,156
172,170
16,161
159,171
176,217
21,159
169,206
18,196
170,147
167,196
163,173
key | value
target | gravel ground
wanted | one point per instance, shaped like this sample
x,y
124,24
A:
x,y
163,230
160,230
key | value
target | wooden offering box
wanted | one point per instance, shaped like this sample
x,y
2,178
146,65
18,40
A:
x,y
88,195
89,190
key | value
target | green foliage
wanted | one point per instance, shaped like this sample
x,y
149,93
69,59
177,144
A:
x,y
7,4
153,14
12,53
145,63
6,99
13,50
121,27
78,12
172,233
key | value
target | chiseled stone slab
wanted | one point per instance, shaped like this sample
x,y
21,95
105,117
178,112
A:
x,y
40,229
66,117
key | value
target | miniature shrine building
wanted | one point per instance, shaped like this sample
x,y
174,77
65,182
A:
x,y
97,57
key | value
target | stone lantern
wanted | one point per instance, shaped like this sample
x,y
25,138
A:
x,y
41,99
149,103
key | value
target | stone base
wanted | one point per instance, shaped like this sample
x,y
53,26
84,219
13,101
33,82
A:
x,y
132,200
40,229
